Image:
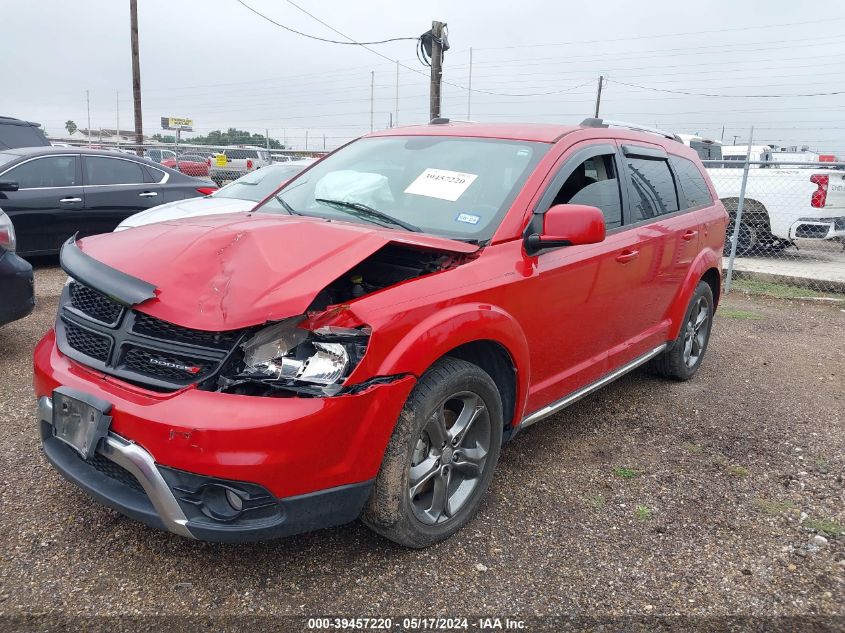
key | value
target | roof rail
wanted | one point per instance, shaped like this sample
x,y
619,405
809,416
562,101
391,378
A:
x,y
591,122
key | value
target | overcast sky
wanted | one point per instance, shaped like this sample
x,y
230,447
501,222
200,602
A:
x,y
223,66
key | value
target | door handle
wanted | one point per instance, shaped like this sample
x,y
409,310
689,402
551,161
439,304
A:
x,y
689,235
71,200
147,194
626,256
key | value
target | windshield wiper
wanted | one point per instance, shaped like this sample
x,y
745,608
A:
x,y
362,210
287,207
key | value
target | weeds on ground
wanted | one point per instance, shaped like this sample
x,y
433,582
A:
x,y
689,447
822,465
597,502
737,471
773,507
828,526
780,291
626,473
643,513
744,315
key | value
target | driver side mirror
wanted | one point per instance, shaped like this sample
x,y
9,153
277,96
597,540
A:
x,y
568,225
8,185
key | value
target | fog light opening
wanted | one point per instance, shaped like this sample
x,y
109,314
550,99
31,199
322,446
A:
x,y
234,500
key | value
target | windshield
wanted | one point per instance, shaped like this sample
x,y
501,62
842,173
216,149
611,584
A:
x,y
259,184
451,186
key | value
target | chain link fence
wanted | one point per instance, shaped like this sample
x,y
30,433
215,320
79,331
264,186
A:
x,y
787,231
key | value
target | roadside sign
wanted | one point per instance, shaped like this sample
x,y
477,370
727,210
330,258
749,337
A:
x,y
177,123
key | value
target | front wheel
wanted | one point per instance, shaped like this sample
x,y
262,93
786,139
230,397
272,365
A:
x,y
683,357
440,458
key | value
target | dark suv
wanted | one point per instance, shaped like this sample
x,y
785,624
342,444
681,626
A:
x,y
17,133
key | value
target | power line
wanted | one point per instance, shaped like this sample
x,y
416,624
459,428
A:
x,y
651,37
708,94
322,39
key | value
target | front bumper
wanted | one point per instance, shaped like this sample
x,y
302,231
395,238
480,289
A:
x,y
17,294
313,458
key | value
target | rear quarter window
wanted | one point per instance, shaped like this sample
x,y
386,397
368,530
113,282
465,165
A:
x,y
693,186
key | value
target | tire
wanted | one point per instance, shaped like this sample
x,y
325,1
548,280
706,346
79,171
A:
x,y
747,239
684,355
416,455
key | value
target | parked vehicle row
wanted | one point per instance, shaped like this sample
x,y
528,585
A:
x,y
365,340
51,193
233,162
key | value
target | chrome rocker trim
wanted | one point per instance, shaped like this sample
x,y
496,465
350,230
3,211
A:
x,y
554,407
142,466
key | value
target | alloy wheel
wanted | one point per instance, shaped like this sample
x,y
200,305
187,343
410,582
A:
x,y
449,458
696,331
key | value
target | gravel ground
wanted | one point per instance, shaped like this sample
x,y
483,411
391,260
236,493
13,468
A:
x,y
720,496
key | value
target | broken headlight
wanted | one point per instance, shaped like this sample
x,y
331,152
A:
x,y
285,354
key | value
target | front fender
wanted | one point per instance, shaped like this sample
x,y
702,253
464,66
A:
x,y
706,260
446,329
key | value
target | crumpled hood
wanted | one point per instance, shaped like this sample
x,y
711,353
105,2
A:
x,y
190,208
226,272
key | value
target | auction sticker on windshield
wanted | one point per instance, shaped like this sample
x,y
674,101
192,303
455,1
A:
x,y
441,183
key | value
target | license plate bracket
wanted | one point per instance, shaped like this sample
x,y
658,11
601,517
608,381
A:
x,y
80,420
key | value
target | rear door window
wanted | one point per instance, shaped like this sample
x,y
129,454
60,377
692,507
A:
x,y
100,170
651,188
691,182
51,171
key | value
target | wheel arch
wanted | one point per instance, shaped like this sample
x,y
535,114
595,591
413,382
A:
x,y
483,334
706,267
754,212
494,359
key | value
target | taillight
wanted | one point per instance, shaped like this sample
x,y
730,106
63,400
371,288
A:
x,y
206,190
819,197
7,233
827,158
248,163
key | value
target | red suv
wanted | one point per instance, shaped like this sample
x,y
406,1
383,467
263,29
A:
x,y
364,341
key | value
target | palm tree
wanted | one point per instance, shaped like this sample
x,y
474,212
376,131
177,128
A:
x,y
70,126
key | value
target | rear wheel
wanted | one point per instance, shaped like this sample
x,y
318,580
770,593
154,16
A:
x,y
683,357
747,240
440,458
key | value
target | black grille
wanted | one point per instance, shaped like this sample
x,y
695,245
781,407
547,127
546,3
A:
x,y
135,346
96,305
166,366
88,343
150,326
116,472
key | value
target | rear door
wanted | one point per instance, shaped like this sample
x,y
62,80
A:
x,y
115,188
48,204
652,254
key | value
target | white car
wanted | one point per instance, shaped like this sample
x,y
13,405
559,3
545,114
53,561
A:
x,y
234,162
240,195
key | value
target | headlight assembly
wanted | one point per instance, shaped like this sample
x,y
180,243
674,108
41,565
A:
x,y
286,355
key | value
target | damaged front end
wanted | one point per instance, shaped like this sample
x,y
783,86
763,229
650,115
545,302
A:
x,y
308,355
286,357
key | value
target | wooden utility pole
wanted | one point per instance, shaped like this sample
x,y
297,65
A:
x,y
598,95
136,77
436,68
